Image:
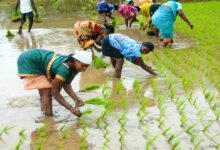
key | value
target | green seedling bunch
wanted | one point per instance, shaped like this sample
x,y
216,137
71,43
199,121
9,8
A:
x,y
122,120
150,142
37,18
96,101
106,90
99,63
5,130
16,16
119,87
137,88
22,138
142,109
9,34
90,87
83,138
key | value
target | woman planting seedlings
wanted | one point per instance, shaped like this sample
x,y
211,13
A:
x,y
119,46
50,73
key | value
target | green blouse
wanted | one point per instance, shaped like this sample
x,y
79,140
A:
x,y
43,62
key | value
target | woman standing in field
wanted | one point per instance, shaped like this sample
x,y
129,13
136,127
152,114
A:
x,y
50,73
164,18
119,46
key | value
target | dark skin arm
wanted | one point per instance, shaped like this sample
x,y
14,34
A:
x,y
139,61
183,16
99,39
17,4
34,7
57,85
69,90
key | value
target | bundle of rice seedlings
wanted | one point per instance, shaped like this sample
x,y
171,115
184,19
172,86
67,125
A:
x,y
16,16
9,34
99,63
37,19
114,22
96,101
90,87
142,25
87,112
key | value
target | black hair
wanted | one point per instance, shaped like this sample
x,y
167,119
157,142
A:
x,y
149,45
70,58
110,28
115,7
138,8
131,2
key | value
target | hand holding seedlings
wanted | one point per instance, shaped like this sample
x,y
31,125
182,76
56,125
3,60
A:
x,y
76,111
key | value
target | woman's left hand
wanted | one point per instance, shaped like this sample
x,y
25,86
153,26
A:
x,y
78,102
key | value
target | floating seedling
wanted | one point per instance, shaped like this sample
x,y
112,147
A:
x,y
5,130
99,63
96,101
90,87
9,34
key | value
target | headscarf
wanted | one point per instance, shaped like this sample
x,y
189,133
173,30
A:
x,y
83,56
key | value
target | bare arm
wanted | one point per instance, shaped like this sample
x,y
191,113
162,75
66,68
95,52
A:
x,y
34,7
55,91
139,61
69,90
183,16
104,15
99,39
17,4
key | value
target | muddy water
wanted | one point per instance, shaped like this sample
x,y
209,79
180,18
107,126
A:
x,y
20,108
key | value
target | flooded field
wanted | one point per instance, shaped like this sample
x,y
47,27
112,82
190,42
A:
x,y
179,109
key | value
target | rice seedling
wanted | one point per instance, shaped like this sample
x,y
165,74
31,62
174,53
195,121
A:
x,y
190,128
9,34
175,145
165,131
172,89
5,130
99,63
106,90
196,146
141,110
96,101
137,87
150,142
172,138
22,138
90,87
207,126
106,133
122,120
119,87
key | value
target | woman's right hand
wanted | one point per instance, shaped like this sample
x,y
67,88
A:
x,y
76,111
191,26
